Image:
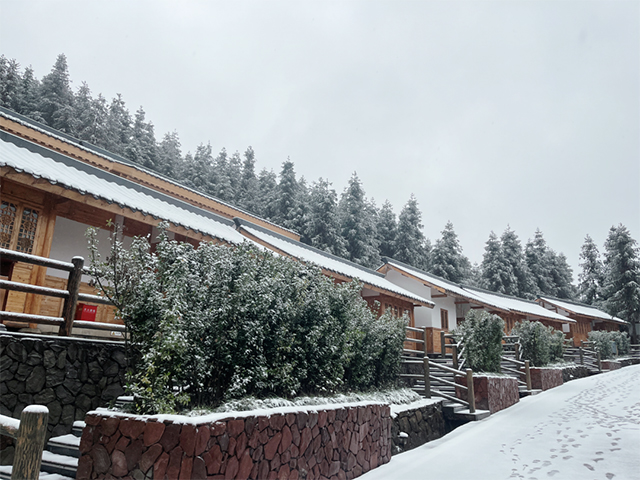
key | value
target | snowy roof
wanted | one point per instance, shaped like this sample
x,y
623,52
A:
x,y
329,262
482,297
442,284
112,157
39,162
582,309
519,305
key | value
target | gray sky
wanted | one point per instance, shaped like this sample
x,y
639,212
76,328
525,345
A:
x,y
492,113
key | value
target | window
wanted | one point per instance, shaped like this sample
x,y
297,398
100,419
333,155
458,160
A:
x,y
23,237
444,319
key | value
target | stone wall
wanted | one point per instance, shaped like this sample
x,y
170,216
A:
x,y
69,375
421,425
545,378
493,393
610,365
340,443
574,371
625,362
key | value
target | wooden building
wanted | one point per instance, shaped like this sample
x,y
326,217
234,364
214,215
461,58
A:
x,y
54,186
587,318
453,302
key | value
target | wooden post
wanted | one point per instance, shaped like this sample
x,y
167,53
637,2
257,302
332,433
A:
x,y
454,355
527,374
73,286
30,443
471,396
599,362
424,336
443,350
516,351
427,377
581,356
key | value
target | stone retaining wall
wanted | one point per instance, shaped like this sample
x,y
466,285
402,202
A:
x,y
69,375
493,393
610,365
421,425
574,371
545,378
340,443
625,362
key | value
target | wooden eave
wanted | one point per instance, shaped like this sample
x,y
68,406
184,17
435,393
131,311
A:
x,y
578,316
44,185
331,273
135,175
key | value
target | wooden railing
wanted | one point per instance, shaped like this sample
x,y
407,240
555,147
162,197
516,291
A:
x,y
586,354
30,433
427,377
71,295
457,349
522,365
634,350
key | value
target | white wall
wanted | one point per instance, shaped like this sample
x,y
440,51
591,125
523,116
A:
x,y
425,317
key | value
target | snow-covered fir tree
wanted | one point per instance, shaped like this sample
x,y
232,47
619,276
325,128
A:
x,y
496,272
539,263
410,239
447,259
323,226
248,198
387,230
357,225
523,285
56,97
169,154
590,279
621,289
118,126
142,147
286,197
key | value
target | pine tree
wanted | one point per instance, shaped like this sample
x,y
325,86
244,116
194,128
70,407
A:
x,y
562,276
447,259
142,148
540,264
323,226
387,230
29,88
195,170
169,154
410,239
221,179
234,173
357,225
118,126
496,272
56,97
267,184
248,197
590,280
286,197
622,277
10,84
523,285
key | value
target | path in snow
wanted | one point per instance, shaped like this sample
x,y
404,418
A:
x,y
585,429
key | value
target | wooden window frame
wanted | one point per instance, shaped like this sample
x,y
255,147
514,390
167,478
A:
x,y
444,319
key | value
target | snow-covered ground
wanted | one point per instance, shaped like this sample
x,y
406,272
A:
x,y
586,429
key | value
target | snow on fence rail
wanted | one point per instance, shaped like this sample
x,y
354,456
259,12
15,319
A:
x,y
71,295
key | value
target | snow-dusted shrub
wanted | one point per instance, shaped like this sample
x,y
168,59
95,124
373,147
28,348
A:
x,y
604,342
540,344
482,334
220,322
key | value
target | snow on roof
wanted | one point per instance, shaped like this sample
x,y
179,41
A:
x,y
519,305
87,180
582,309
329,262
483,297
112,157
441,283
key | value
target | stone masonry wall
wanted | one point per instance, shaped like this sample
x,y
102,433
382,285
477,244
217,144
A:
x,y
340,443
545,378
573,372
493,393
69,375
421,425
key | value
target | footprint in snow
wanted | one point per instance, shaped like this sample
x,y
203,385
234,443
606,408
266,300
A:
x,y
610,475
589,466
598,459
553,472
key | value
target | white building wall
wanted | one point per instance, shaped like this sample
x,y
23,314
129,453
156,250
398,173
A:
x,y
424,316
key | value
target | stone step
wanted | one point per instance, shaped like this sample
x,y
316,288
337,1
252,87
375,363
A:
x,y
65,445
59,464
78,427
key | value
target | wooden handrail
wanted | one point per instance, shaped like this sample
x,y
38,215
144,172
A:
x,y
27,288
35,260
30,433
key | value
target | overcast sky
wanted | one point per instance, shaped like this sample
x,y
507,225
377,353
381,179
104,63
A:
x,y
491,113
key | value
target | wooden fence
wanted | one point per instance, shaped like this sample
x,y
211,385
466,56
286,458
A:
x,y
30,433
71,295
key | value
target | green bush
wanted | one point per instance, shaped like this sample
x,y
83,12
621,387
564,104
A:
x,y
219,322
482,334
604,340
540,344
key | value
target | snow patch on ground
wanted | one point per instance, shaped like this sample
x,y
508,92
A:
x,y
587,428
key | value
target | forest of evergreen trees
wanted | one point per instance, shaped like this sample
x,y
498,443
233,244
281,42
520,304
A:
x,y
349,225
